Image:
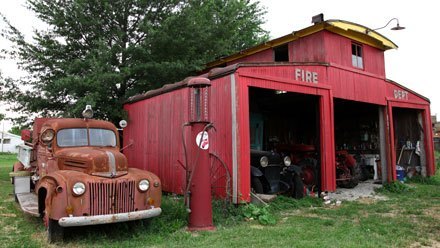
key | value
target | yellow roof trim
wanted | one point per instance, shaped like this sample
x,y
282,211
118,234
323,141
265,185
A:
x,y
361,33
350,30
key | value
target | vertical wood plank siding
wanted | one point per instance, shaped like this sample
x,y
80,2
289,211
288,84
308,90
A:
x,y
155,131
155,124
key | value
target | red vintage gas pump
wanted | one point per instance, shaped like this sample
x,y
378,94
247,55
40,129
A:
x,y
199,188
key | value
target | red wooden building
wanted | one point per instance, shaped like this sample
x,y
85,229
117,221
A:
x,y
324,85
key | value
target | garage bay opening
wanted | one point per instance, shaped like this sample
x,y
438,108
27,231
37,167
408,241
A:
x,y
284,137
409,143
357,142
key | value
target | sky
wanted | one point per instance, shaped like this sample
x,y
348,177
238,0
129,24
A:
x,y
413,64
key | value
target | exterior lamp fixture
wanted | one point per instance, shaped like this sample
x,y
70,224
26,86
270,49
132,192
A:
x,y
398,27
88,112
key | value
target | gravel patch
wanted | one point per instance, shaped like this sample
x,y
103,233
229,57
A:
x,y
362,190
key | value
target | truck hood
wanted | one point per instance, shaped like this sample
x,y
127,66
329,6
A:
x,y
96,161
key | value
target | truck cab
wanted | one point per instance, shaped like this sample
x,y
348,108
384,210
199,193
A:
x,y
73,173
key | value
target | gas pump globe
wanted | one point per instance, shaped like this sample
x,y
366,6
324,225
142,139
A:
x,y
199,94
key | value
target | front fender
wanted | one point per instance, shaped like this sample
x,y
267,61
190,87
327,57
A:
x,y
294,169
255,172
46,191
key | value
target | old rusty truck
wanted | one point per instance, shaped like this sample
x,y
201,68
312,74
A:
x,y
71,172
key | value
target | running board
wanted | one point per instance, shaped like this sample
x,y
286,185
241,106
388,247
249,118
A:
x,y
262,199
28,203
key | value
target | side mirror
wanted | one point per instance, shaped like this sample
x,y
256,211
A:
x,y
26,135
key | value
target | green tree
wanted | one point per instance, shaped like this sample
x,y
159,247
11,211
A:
x,y
101,52
16,130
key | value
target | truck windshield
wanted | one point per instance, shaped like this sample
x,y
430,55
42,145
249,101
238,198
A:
x,y
78,137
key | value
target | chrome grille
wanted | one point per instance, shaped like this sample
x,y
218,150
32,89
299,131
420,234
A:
x,y
111,197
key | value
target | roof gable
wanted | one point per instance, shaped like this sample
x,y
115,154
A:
x,y
347,29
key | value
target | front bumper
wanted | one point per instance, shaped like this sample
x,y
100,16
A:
x,y
108,218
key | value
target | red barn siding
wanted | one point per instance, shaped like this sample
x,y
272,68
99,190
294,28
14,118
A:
x,y
338,51
154,127
308,49
221,117
353,85
325,47
263,56
398,92
155,124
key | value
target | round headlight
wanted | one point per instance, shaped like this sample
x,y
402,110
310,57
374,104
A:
x,y
144,185
79,188
48,135
264,161
287,161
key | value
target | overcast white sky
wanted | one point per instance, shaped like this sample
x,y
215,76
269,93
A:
x,y
413,64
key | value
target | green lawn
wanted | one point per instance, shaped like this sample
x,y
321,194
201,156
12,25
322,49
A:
x,y
408,218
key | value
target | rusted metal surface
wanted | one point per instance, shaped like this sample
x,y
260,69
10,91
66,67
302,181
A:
x,y
28,203
112,197
111,189
109,218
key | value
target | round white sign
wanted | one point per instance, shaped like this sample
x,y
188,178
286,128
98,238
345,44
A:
x,y
204,143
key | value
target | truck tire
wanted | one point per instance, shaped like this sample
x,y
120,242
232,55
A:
x,y
257,185
349,184
55,232
298,187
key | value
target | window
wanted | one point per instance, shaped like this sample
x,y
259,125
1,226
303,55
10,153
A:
x,y
72,137
102,137
356,56
78,137
281,53
6,141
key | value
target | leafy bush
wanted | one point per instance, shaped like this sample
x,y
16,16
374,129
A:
x,y
395,187
260,213
425,180
225,213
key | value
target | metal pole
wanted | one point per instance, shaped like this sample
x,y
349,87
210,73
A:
x,y
3,133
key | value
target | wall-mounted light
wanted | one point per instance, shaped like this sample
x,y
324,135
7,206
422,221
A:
x,y
397,27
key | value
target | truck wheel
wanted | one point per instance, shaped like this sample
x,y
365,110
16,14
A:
x,y
12,178
298,187
55,232
257,185
349,184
